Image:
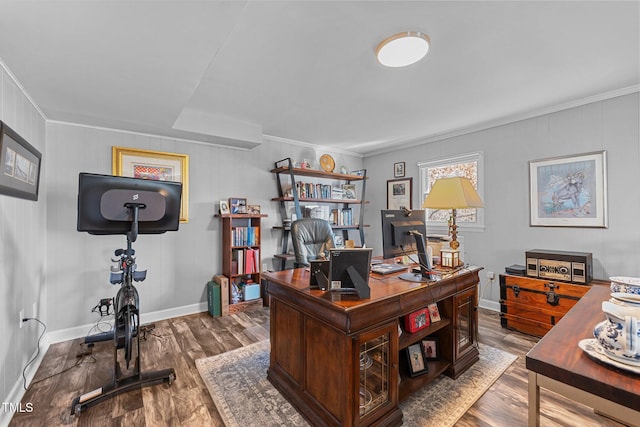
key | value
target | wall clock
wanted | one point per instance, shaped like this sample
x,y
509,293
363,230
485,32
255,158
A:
x,y
327,163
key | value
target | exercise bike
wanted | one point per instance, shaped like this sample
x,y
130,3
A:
x,y
126,329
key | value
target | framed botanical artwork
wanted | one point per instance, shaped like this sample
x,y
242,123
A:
x,y
399,193
238,205
569,191
224,207
20,162
417,363
398,169
430,348
154,165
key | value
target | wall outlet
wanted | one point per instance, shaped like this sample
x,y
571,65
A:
x,y
21,317
264,266
491,275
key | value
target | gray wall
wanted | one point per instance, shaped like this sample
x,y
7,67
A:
x,y
22,243
179,263
610,125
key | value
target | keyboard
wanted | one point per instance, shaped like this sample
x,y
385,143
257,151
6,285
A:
x,y
388,268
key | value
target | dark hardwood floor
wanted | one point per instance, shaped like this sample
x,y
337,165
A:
x,y
177,343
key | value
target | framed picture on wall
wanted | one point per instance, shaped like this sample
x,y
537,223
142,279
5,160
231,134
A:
x,y
20,163
399,193
154,165
398,170
569,191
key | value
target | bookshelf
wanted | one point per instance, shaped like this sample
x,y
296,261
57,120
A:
x,y
242,257
338,197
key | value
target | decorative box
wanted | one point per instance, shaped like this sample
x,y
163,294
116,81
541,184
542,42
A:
x,y
417,320
251,292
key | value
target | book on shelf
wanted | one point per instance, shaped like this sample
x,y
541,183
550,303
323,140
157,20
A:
x,y
337,193
245,236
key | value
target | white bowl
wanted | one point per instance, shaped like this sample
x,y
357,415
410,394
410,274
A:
x,y
627,285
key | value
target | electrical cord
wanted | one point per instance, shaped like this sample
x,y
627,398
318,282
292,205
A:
x,y
24,376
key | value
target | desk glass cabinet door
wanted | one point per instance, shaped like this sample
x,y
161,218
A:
x,y
378,366
465,324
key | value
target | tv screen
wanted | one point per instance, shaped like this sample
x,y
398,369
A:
x,y
397,225
102,201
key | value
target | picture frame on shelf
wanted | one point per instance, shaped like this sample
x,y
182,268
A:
x,y
154,165
20,176
417,363
238,205
420,319
430,348
569,191
224,207
253,209
349,191
359,172
398,169
399,193
434,312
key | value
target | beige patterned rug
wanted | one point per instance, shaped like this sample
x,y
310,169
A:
x,y
237,381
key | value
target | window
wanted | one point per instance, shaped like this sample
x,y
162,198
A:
x,y
469,166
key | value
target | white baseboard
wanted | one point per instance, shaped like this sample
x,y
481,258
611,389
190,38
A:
x,y
17,391
489,305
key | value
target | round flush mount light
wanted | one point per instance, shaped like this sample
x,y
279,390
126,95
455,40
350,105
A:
x,y
403,49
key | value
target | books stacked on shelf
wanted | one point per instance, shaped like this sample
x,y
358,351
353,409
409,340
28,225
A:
x,y
245,236
245,261
310,190
342,216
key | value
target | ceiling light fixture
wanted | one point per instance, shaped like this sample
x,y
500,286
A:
x,y
403,49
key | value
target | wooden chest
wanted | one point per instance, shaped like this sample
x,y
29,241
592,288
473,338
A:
x,y
533,305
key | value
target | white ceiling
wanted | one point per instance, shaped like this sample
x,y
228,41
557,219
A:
x,y
237,72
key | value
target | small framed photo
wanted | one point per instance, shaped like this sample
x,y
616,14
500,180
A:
x,y
417,363
359,172
434,313
338,241
224,207
417,320
398,170
430,348
253,209
237,205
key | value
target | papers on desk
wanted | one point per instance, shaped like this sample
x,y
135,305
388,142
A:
x,y
388,268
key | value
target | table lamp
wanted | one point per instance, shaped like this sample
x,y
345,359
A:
x,y
452,193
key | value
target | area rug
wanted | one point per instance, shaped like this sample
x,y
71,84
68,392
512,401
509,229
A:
x,y
237,381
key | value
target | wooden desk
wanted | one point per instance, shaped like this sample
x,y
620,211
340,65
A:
x,y
341,362
558,364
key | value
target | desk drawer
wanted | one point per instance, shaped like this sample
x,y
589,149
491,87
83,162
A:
x,y
534,306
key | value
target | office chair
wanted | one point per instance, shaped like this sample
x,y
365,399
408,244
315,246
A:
x,y
312,238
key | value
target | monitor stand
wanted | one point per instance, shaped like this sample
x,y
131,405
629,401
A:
x,y
415,277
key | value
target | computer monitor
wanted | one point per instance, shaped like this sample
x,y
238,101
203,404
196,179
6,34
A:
x,y
104,204
403,233
349,270
397,226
